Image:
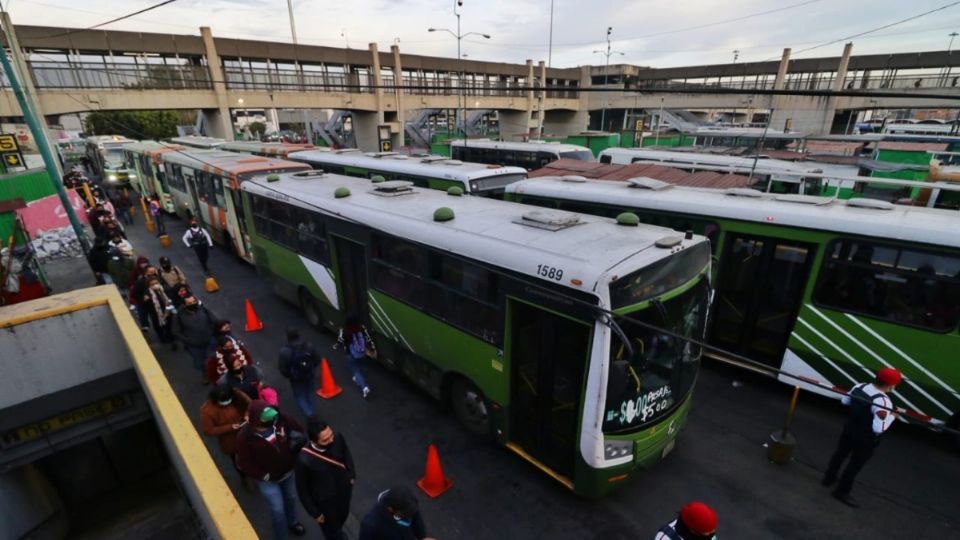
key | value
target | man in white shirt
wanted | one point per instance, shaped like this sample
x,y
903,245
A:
x,y
871,414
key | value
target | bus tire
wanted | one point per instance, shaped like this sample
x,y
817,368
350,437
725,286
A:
x,y
309,308
471,407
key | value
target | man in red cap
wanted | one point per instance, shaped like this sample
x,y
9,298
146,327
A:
x,y
871,414
696,521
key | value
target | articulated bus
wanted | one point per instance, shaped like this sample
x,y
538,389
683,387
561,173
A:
x,y
523,319
205,185
529,155
199,141
826,289
266,149
434,172
145,157
105,153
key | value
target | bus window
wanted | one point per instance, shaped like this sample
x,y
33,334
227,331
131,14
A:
x,y
582,155
605,158
397,267
465,295
311,235
217,188
910,287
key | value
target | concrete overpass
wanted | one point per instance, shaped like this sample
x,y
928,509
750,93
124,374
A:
x,y
77,70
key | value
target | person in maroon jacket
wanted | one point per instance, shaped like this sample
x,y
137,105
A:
x,y
267,450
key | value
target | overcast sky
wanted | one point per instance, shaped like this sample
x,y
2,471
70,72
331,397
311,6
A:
x,y
657,33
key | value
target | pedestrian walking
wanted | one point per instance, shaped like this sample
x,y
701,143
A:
x,y
355,340
199,239
171,275
298,364
193,327
137,289
121,265
395,516
266,452
324,474
222,416
99,259
871,415
246,378
156,212
224,329
696,521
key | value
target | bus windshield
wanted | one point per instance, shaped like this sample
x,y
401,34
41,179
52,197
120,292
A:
x,y
648,386
113,157
582,155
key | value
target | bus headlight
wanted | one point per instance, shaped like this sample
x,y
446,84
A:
x,y
617,449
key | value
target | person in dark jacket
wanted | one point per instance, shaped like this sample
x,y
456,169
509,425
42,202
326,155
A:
x,y
194,327
298,364
246,378
395,516
264,453
99,258
325,474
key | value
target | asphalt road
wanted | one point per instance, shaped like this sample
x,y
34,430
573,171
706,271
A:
x,y
908,490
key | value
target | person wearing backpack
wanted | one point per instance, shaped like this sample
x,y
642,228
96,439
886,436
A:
x,y
199,239
356,342
298,364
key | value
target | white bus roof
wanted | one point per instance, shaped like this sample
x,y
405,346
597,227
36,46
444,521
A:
x,y
266,148
526,146
104,139
888,221
230,163
702,158
198,141
429,166
595,251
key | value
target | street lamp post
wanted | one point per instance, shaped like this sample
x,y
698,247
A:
x,y
606,67
461,111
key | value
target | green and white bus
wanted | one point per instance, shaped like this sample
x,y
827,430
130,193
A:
x,y
205,185
528,155
524,319
434,172
105,153
145,158
825,289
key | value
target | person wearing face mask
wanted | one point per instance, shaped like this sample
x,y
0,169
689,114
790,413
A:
x,y
325,474
243,377
193,327
171,274
266,454
136,288
198,239
228,350
222,416
160,310
395,516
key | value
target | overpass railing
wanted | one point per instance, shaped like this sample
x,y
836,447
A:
x,y
97,75
810,81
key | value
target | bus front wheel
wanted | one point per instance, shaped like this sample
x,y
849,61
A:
x,y
308,306
470,407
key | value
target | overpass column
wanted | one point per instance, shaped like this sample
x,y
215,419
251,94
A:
x,y
221,125
377,80
530,95
842,68
398,91
778,83
541,98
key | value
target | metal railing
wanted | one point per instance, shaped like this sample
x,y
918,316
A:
x,y
119,76
812,81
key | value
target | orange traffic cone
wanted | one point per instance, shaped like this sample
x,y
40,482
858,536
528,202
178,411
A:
x,y
328,387
434,483
253,322
165,240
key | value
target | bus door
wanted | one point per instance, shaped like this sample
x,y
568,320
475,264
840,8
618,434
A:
x,y
195,213
758,294
241,238
548,353
351,277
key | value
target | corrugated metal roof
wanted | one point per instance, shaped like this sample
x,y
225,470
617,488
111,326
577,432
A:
x,y
602,171
912,146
